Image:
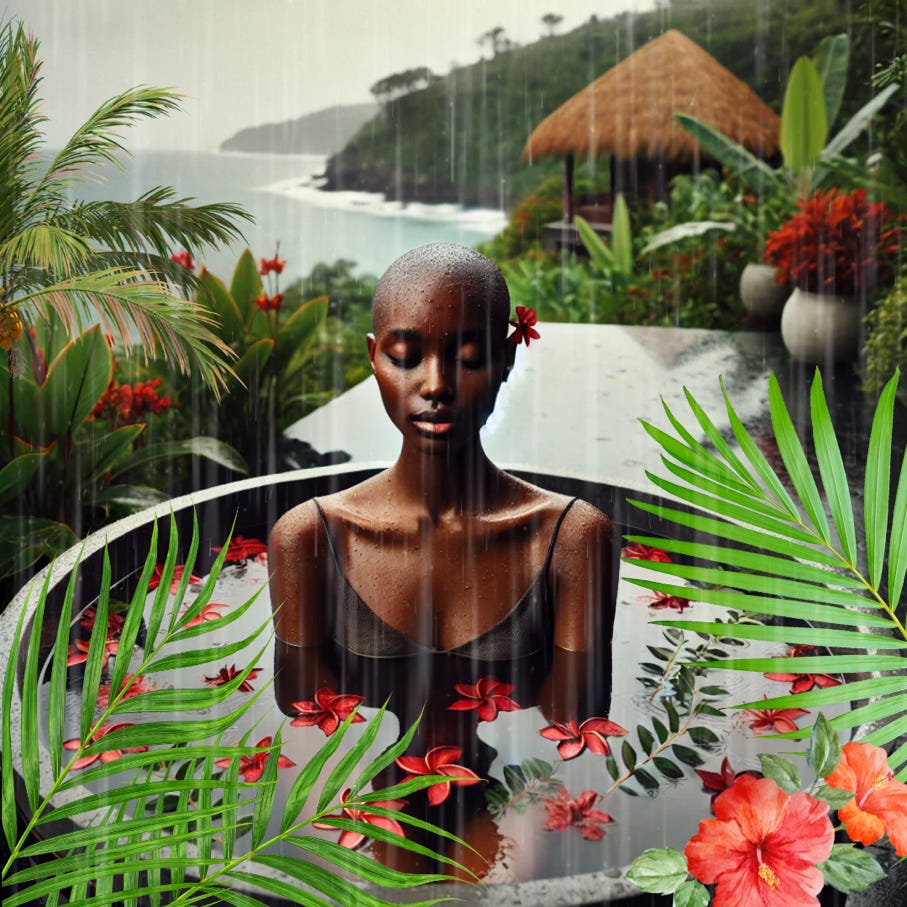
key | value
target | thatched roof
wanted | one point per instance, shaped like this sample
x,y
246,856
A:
x,y
629,111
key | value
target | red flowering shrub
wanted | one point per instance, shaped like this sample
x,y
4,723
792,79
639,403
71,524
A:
x,y
838,242
126,404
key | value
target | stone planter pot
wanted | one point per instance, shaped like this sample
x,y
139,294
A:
x,y
820,329
762,297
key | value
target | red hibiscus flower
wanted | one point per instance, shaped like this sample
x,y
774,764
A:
x,y
207,613
439,760
114,622
78,651
110,755
636,551
252,767
661,600
225,675
183,258
764,846
132,685
573,738
879,805
269,303
489,696
275,264
328,710
801,683
155,580
778,721
353,839
241,549
715,783
564,813
523,324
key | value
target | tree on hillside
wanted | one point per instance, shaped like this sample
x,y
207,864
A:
x,y
399,84
551,22
496,39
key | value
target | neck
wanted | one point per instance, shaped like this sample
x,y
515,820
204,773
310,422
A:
x,y
447,485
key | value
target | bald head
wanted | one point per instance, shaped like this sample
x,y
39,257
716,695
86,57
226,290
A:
x,y
449,265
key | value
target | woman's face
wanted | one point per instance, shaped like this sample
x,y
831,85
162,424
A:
x,y
437,364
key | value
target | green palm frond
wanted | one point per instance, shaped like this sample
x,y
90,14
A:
x,y
783,544
167,823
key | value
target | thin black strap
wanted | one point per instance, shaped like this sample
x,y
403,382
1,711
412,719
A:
x,y
332,545
557,527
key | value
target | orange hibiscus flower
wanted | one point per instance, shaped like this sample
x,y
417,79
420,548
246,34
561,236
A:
x,y
764,846
879,806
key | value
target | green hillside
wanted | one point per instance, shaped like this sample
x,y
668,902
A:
x,y
460,139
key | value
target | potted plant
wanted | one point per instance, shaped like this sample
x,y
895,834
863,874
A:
x,y
834,251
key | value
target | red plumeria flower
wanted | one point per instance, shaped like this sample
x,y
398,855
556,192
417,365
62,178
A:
x,y
115,622
241,549
801,683
353,839
580,813
110,755
183,258
779,721
636,551
328,710
78,651
252,767
489,696
573,738
275,264
523,324
132,685
764,846
155,580
208,612
715,783
661,600
440,760
225,675
269,303
879,806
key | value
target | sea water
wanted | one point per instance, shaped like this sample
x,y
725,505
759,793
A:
x,y
281,192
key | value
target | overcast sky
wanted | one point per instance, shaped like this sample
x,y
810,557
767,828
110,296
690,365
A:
x,y
245,62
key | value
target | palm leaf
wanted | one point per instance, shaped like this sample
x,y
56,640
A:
x,y
127,836
787,568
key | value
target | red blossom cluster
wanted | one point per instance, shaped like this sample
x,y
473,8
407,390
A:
x,y
183,258
838,243
126,404
275,264
269,303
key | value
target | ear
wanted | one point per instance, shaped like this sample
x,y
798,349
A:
x,y
370,341
509,359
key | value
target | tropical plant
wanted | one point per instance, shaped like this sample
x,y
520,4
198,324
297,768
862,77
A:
x,y
172,809
885,350
96,261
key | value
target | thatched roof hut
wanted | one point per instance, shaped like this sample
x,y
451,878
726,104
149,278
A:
x,y
628,113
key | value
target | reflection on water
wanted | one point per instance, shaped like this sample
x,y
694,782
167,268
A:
x,y
554,797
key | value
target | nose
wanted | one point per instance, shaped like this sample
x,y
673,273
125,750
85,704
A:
x,y
435,382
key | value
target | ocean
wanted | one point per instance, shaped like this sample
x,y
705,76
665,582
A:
x,y
281,192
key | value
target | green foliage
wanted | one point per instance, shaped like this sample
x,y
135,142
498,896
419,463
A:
x,y
138,814
101,261
885,350
778,553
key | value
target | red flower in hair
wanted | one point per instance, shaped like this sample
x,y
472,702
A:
x,y
524,326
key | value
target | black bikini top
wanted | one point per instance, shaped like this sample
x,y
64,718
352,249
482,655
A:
x,y
526,630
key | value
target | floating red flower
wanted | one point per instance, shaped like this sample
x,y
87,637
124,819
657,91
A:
x,y
764,846
225,675
241,549
524,326
579,813
208,612
252,767
132,685
115,622
183,258
155,580
78,651
110,755
269,303
275,264
488,695
439,760
801,683
661,600
573,738
879,806
778,721
353,839
328,710
636,551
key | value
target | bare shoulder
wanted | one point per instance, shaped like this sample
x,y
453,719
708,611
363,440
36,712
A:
x,y
582,521
296,531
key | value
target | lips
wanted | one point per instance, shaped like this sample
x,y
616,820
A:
x,y
433,423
